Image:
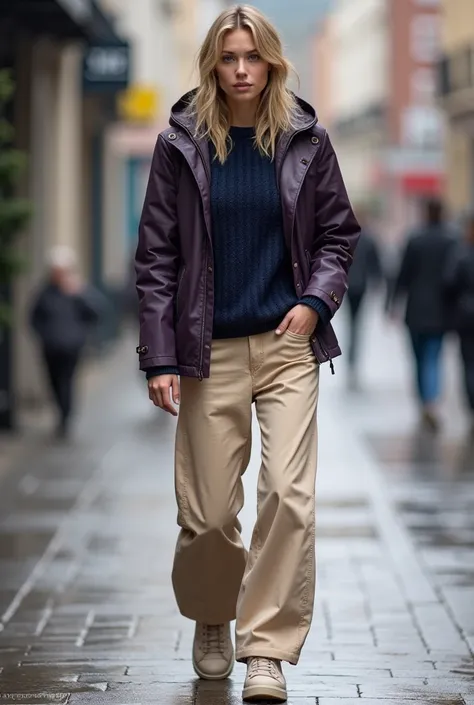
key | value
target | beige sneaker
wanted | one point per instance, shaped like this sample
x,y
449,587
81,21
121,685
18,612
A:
x,y
264,681
213,653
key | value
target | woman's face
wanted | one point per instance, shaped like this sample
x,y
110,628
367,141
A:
x,y
241,72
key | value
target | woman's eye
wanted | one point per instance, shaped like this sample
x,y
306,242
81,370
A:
x,y
227,59
254,57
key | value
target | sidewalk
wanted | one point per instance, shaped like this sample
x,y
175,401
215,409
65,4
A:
x,y
87,536
34,426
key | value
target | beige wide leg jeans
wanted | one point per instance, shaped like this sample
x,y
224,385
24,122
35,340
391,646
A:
x,y
270,589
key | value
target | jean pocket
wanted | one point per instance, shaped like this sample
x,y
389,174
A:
x,y
298,336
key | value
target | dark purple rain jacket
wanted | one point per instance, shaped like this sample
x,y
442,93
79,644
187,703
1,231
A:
x,y
174,258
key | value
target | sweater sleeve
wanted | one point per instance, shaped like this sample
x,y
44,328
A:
x,y
163,370
319,306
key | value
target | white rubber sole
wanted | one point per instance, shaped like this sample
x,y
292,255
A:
x,y
256,693
208,677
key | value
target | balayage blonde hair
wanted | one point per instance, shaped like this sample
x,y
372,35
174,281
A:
x,y
277,109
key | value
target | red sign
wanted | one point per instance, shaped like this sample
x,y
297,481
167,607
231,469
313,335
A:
x,y
423,183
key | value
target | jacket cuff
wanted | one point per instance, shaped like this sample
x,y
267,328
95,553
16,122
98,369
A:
x,y
156,371
319,306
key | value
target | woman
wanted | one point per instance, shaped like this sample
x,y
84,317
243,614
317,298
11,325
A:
x,y
460,294
245,242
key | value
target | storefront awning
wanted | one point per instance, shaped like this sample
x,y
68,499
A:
x,y
81,19
56,18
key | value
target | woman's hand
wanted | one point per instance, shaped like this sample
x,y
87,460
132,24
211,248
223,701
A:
x,y
159,392
301,320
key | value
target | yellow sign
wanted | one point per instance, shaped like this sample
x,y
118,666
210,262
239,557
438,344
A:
x,y
139,104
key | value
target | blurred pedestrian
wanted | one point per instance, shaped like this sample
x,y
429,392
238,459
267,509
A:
x,y
420,281
365,272
62,314
460,292
245,241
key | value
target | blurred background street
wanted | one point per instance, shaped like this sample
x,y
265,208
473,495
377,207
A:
x,y
88,518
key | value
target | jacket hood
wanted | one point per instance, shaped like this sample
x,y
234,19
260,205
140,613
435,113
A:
x,y
306,117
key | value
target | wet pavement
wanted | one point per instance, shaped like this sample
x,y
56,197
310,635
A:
x,y
87,532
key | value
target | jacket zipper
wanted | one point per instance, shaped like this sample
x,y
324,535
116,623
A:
x,y
327,355
308,257
303,129
324,351
203,322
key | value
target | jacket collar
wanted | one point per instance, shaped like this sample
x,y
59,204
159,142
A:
x,y
305,119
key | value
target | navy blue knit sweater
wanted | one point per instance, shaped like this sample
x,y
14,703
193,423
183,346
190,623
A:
x,y
253,277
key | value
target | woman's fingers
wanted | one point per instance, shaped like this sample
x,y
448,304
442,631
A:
x,y
159,392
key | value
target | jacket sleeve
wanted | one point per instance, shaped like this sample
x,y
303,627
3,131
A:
x,y
405,272
157,262
337,232
452,274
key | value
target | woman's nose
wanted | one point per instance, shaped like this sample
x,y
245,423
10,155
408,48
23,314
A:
x,y
241,68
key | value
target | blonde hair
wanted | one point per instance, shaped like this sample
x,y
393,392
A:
x,y
278,108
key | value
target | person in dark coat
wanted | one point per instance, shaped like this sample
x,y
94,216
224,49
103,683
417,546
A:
x,y
460,294
366,270
420,281
62,314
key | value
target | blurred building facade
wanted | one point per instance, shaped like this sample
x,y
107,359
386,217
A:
x,y
57,112
376,64
359,73
413,168
323,87
457,98
95,80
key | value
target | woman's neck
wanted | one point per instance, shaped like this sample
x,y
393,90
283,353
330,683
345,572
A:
x,y
243,115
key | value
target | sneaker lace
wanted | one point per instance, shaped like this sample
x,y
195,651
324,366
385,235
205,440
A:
x,y
213,637
262,667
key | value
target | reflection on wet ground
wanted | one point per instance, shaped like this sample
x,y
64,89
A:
x,y
87,535
431,483
426,456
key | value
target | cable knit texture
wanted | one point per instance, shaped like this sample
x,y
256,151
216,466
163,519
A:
x,y
253,277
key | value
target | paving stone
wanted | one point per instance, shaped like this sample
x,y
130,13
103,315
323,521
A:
x,y
426,700
409,689
128,694
36,698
